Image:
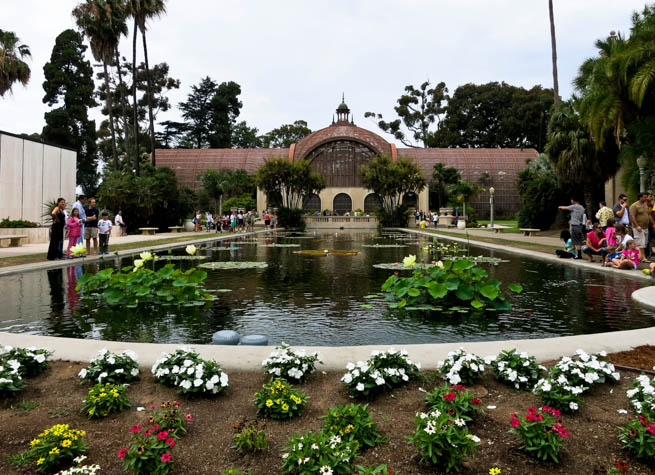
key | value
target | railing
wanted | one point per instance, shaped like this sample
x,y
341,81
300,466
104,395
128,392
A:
x,y
338,221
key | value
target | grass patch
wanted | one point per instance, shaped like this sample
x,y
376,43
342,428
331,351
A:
x,y
27,405
512,224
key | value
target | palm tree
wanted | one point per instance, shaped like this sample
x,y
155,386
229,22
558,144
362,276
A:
x,y
12,67
553,45
142,11
442,178
641,56
103,22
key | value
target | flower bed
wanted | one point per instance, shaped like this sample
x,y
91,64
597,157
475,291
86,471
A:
x,y
592,445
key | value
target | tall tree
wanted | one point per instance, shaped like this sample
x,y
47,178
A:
x,y
172,134
69,84
244,136
197,112
442,178
553,45
293,181
142,11
12,67
225,108
285,135
103,22
418,109
495,115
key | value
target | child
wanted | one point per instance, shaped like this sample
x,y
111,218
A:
x,y
629,257
569,251
611,241
74,224
104,229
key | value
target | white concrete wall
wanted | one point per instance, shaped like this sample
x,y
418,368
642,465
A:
x,y
32,173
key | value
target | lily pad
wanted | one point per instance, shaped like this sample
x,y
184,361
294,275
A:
x,y
383,245
234,265
183,258
400,266
325,252
221,248
279,245
300,237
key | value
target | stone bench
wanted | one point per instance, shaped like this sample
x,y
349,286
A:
x,y
14,239
150,231
176,229
530,231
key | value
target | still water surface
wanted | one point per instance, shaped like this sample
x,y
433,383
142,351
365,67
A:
x,y
305,300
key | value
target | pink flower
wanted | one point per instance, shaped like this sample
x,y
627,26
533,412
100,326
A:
x,y
148,432
515,423
156,427
162,435
475,401
153,405
188,417
122,452
170,442
563,432
538,417
449,396
177,403
135,429
166,457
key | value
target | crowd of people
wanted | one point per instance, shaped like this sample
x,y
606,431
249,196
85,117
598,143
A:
x,y
237,221
84,224
621,236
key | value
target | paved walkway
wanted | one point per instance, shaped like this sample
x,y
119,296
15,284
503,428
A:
x,y
519,237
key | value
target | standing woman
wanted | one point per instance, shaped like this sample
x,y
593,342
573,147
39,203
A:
x,y
57,234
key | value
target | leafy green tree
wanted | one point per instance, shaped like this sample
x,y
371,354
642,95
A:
x,y
197,112
442,178
246,202
69,84
390,180
462,192
292,181
418,109
172,133
540,194
225,108
244,136
103,22
151,199
495,115
285,135
12,67
222,183
578,162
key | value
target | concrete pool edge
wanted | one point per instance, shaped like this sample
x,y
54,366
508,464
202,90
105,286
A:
x,y
249,358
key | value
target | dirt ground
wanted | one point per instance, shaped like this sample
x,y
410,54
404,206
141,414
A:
x,y
592,447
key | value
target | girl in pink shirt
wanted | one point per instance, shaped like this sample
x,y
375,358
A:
x,y
629,257
610,233
74,224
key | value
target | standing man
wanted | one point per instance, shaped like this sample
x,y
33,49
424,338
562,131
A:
x,y
118,221
91,226
640,219
79,204
577,225
621,211
604,213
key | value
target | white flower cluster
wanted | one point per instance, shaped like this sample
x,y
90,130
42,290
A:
x,y
432,423
189,373
291,364
39,355
108,367
80,469
317,453
10,376
32,360
585,369
519,370
385,369
642,394
461,367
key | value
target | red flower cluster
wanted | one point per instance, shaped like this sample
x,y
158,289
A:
x,y
561,431
458,387
475,401
122,452
622,466
166,457
650,426
534,416
449,396
551,411
135,429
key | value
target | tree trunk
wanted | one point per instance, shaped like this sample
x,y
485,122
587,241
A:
x,y
135,125
126,124
111,116
554,48
149,96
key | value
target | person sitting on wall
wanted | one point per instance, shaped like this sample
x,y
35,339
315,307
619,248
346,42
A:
x,y
629,257
118,222
595,243
569,251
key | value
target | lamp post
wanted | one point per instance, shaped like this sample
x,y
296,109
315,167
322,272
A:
x,y
641,163
491,206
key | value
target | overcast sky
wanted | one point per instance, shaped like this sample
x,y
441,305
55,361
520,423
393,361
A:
x,y
293,58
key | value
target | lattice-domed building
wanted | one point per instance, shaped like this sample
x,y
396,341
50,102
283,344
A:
x,y
339,150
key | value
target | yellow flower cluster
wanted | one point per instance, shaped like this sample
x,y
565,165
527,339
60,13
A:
x,y
61,431
295,399
98,395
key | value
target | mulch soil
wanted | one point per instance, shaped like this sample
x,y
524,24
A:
x,y
592,447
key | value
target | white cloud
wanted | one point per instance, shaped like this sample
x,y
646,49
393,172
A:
x,y
293,58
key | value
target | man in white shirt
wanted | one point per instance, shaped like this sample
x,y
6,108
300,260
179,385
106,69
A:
x,y
118,221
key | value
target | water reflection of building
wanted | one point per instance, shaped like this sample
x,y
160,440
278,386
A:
x,y
339,150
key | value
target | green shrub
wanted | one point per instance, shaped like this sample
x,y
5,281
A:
x,y
250,438
518,370
103,399
454,400
353,423
108,367
540,194
53,448
33,361
317,452
290,218
638,436
189,373
17,223
279,400
541,432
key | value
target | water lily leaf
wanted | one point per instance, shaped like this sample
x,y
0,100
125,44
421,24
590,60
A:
x,y
413,292
234,265
184,258
464,292
372,296
476,303
437,290
463,264
279,245
366,305
516,288
489,291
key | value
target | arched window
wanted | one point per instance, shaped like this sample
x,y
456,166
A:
x,y
372,203
410,199
342,203
339,162
311,203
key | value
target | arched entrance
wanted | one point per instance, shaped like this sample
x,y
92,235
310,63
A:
x,y
372,203
342,203
311,203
